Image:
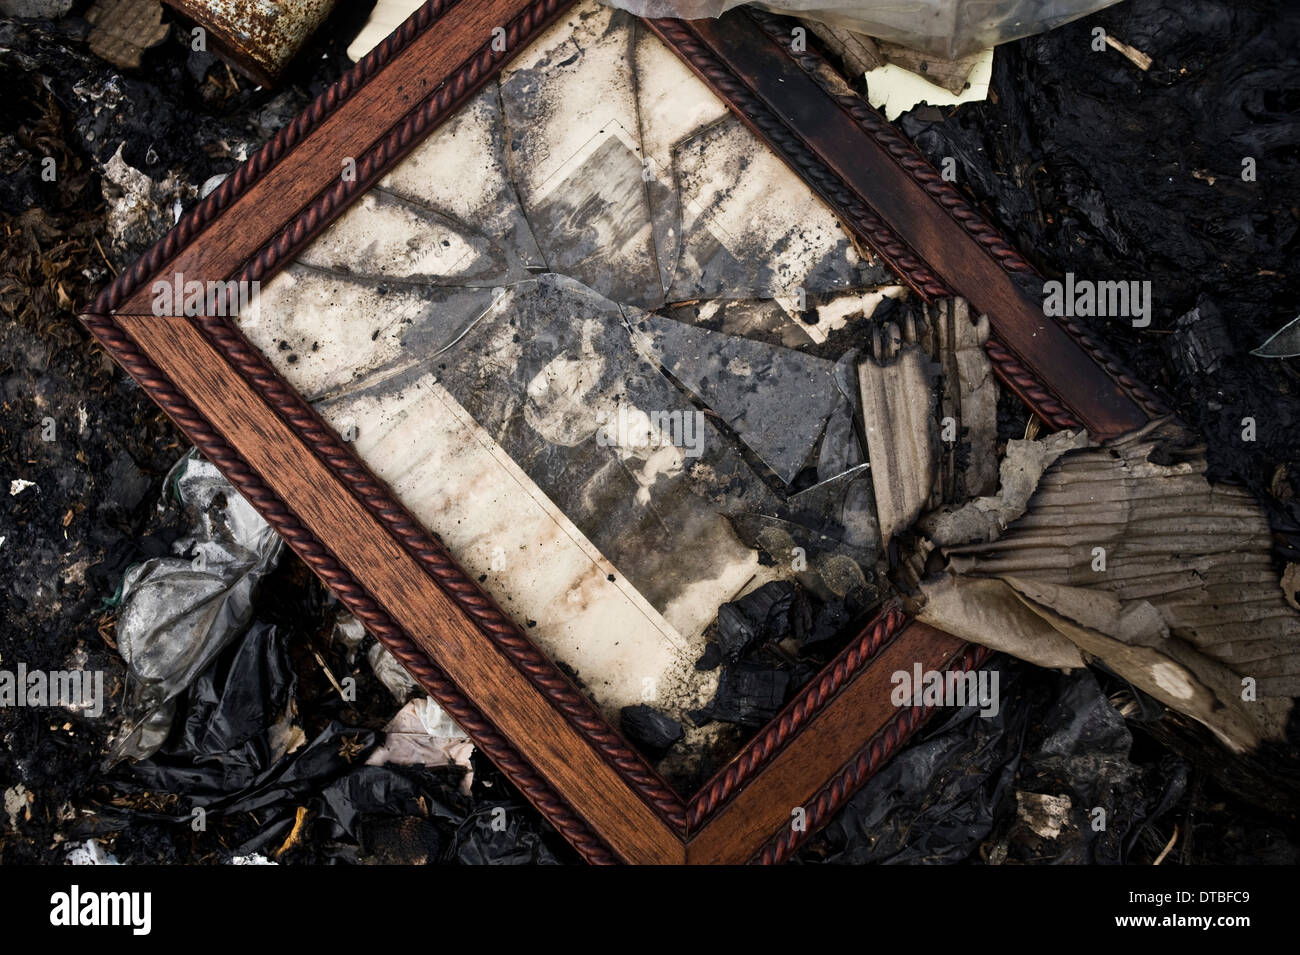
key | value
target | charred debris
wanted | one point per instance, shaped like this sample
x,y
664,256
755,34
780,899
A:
x,y
917,480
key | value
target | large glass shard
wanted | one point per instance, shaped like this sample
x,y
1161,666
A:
x,y
775,399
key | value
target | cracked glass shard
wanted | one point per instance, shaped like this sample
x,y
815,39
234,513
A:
x,y
841,448
832,526
776,400
462,173
762,320
742,237
393,238
842,508
575,158
598,340
336,330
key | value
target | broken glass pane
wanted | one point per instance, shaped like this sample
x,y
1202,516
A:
x,y
604,344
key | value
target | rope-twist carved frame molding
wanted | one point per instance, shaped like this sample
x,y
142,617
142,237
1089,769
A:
x,y
460,23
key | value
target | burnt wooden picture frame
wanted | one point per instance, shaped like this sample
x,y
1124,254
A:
x,y
515,703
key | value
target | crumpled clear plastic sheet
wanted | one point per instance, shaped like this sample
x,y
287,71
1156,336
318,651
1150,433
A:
x,y
178,613
946,28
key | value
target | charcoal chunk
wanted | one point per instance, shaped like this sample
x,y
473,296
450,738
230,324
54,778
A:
x,y
755,618
1201,343
816,621
649,730
710,659
748,693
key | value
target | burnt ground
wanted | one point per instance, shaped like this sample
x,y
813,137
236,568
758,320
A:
x,y
1090,165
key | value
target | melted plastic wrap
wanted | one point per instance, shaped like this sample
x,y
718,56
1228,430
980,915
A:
x,y
180,612
947,28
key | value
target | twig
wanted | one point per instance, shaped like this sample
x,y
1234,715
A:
x,y
338,686
743,586
105,258
295,833
1134,56
1032,427
1168,846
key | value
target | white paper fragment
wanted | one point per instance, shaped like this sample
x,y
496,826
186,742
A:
x,y
90,852
423,734
391,673
15,802
348,633
386,17
895,89
1046,816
